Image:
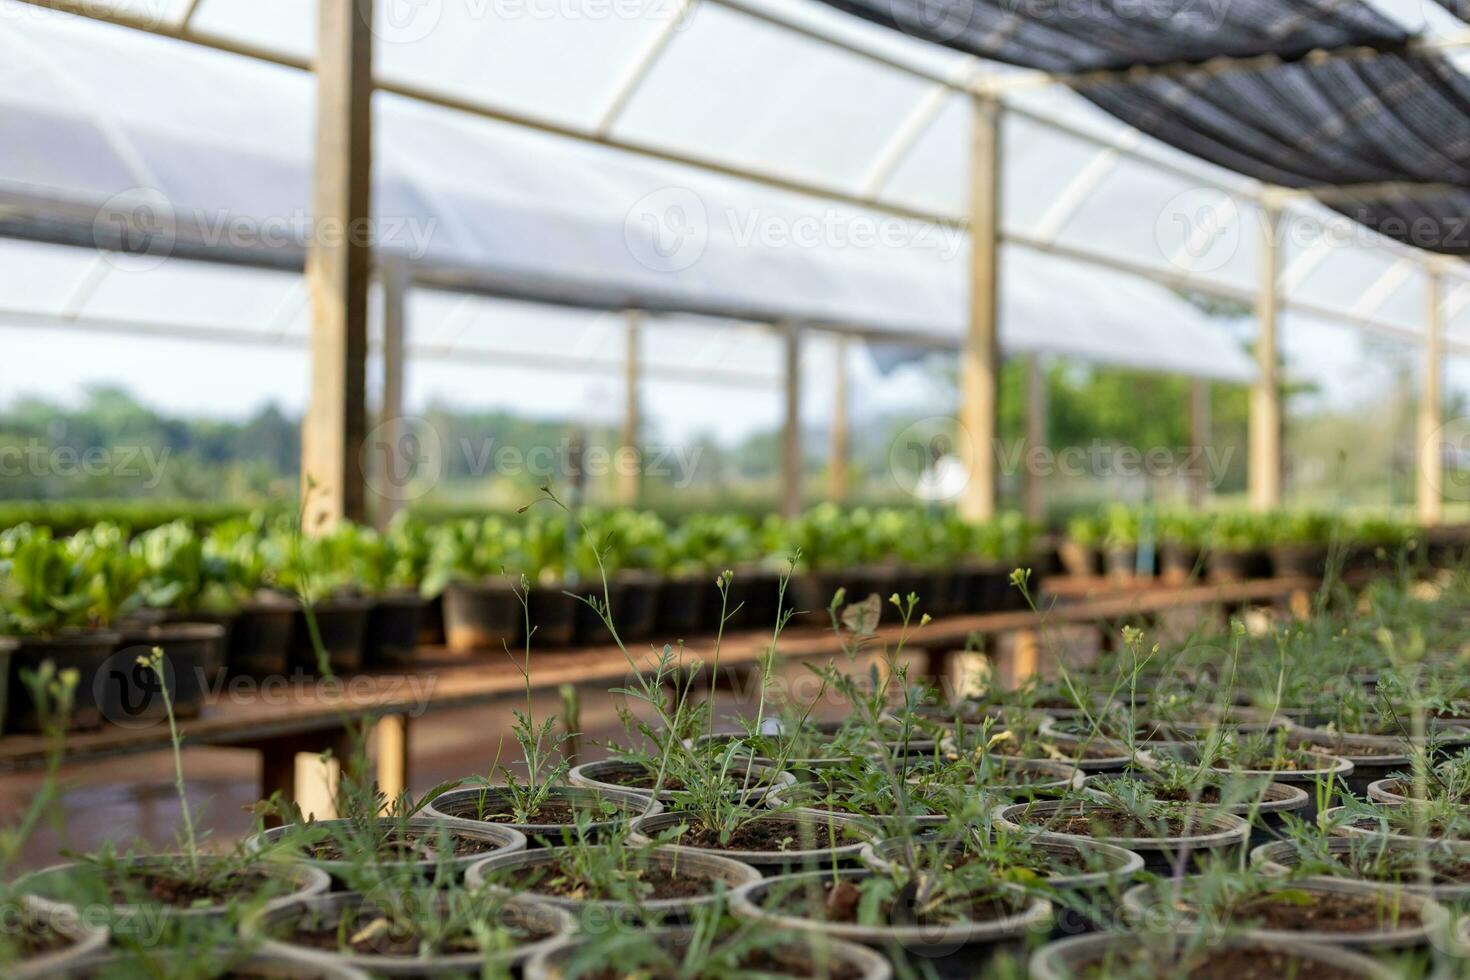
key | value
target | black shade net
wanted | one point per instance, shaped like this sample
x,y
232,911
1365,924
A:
x,y
1085,35
1460,8
1384,116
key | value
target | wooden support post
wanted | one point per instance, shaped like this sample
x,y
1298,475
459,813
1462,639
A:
x,y
392,735
841,435
1199,432
1037,426
630,464
1430,491
339,267
791,428
980,357
292,765
1265,402
394,282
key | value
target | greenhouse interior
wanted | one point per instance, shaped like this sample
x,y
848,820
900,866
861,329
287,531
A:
x,y
679,489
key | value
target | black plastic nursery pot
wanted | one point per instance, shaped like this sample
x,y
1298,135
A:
x,y
637,613
1121,563
679,607
1179,563
555,615
590,630
341,623
1299,561
260,642
431,623
1203,833
393,627
482,615
193,654
809,595
85,651
758,597
225,620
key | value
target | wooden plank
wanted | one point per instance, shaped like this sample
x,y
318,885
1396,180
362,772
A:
x,y
1264,477
339,268
980,357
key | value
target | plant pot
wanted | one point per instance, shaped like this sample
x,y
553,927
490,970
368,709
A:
x,y
970,947
1267,812
1084,956
224,620
590,630
719,874
1280,858
193,655
819,841
1101,754
635,608
482,615
86,941
393,628
1026,779
341,623
139,923
1374,757
491,839
1162,902
327,911
1230,567
1338,822
468,804
555,615
756,591
86,651
1079,560
1211,833
809,594
1114,865
605,776
138,964
431,624
1120,563
1157,739
8,646
1394,791
1179,563
679,610
260,643
1299,560
1307,780
829,957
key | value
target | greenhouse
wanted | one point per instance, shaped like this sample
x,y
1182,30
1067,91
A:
x,y
734,488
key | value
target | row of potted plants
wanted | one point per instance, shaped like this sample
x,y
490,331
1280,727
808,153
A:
x,y
1232,546
1290,804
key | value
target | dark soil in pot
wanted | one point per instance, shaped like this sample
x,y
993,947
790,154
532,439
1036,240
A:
x,y
556,822
1265,806
420,849
1373,757
1177,833
679,611
341,623
618,775
773,843
86,651
482,615
393,628
1232,958
260,643
1396,863
555,615
193,654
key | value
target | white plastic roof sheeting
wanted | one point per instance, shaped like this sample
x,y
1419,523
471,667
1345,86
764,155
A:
x,y
88,110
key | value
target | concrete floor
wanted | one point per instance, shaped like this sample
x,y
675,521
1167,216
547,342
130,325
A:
x,y
132,800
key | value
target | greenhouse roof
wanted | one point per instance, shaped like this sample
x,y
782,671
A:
x,y
743,160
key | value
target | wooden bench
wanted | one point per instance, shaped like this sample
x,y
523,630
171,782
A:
x,y
292,722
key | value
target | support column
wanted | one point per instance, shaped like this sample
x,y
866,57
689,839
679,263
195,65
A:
x,y
791,429
1199,434
841,435
980,358
630,467
1038,409
339,267
1430,492
1265,401
390,431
